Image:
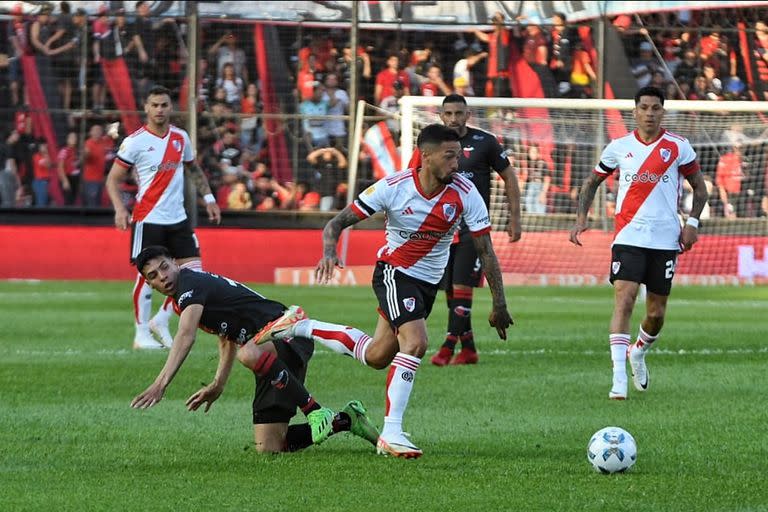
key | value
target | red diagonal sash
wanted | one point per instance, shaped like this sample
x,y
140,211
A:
x,y
163,176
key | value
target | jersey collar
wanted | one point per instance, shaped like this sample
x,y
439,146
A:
x,y
146,127
419,189
641,141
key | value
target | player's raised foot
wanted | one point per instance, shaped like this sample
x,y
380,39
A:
x,y
640,376
442,357
398,445
619,388
289,318
321,424
162,332
361,425
143,340
465,356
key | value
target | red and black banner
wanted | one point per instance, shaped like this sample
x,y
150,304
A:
x,y
119,84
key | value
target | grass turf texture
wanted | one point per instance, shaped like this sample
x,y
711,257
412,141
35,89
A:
x,y
507,434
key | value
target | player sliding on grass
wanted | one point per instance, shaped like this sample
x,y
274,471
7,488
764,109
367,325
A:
x,y
424,208
242,319
651,164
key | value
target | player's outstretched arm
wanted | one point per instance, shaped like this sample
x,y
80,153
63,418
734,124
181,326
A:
x,y
116,176
586,196
512,191
182,344
331,234
690,233
198,178
500,317
210,393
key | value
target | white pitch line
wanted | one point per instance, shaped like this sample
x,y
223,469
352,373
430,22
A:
x,y
495,352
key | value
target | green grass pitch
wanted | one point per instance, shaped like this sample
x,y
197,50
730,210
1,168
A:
x,y
507,434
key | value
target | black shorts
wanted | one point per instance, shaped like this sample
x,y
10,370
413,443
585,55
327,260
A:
x,y
653,267
402,298
463,265
269,404
179,239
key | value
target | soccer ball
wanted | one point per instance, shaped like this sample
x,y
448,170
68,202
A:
x,y
612,450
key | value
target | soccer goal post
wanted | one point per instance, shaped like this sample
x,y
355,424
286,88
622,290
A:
x,y
568,135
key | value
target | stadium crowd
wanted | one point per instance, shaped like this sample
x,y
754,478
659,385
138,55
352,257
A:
x,y
689,54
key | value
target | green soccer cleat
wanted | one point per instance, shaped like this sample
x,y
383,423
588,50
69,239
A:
x,y
361,425
321,424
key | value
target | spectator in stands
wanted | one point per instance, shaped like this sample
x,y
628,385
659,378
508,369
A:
x,y
251,130
315,130
761,56
392,105
645,65
435,85
239,197
362,63
714,51
562,40
41,169
40,32
714,84
338,103
68,166
537,183
142,62
330,166
307,77
498,57
733,171
386,78
687,71
105,47
535,51
225,51
95,152
232,85
462,70
65,46
19,37
264,196
10,184
583,75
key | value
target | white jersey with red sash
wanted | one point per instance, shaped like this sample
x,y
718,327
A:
x,y
650,184
419,227
159,163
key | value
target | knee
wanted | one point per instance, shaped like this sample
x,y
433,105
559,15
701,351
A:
x,y
656,319
416,347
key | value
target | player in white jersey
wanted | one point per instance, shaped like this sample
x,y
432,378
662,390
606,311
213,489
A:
x,y
424,208
651,164
159,153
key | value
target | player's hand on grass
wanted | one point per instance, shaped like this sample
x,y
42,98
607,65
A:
x,y
214,213
500,319
576,230
122,218
325,269
152,395
205,395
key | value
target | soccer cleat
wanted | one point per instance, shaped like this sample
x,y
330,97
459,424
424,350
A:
x,y
618,389
398,445
162,332
442,357
143,340
321,424
465,356
290,317
640,375
361,424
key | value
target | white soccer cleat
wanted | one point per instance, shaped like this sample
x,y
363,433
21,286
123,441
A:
x,y
162,332
619,388
286,322
640,375
397,445
143,340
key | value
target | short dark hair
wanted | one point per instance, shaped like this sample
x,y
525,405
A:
x,y
150,253
436,134
158,90
454,98
649,91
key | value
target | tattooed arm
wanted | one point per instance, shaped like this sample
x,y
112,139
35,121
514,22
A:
x,y
586,196
499,317
331,234
197,176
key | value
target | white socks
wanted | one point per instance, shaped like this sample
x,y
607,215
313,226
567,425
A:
x,y
644,340
142,303
619,345
341,339
400,379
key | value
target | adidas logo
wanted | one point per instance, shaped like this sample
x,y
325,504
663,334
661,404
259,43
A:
x,y
629,155
150,149
408,211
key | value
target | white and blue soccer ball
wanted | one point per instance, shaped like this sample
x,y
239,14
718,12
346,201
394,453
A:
x,y
612,450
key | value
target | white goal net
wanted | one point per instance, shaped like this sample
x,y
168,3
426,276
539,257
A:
x,y
555,143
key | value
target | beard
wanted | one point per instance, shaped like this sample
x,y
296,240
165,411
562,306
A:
x,y
446,180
